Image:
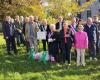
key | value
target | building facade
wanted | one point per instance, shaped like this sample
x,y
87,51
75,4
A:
x,y
92,10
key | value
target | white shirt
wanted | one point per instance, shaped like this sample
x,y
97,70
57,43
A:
x,y
60,25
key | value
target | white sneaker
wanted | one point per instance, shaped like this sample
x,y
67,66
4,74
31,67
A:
x,y
95,59
90,58
66,62
69,64
83,65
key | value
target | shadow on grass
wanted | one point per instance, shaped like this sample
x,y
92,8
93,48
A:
x,y
96,78
22,64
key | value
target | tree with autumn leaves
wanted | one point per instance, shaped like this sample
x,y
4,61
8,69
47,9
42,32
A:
x,y
68,7
34,7
21,7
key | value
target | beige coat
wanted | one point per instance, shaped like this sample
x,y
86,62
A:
x,y
27,29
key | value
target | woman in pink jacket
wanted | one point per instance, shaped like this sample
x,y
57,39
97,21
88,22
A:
x,y
81,43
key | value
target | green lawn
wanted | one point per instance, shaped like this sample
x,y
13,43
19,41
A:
x,y
21,68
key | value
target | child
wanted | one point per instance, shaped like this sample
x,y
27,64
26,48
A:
x,y
81,43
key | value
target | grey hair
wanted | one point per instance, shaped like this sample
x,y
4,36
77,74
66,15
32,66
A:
x,y
52,25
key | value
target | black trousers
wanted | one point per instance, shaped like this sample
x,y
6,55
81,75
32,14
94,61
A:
x,y
68,52
97,43
27,45
97,46
53,49
44,42
65,50
62,51
10,43
92,49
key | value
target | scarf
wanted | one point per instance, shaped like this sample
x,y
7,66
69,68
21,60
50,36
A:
x,y
65,38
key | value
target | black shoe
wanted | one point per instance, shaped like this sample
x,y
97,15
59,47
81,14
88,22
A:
x,y
15,52
18,45
9,53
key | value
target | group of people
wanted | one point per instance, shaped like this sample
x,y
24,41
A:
x,y
60,37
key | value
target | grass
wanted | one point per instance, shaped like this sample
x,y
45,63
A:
x,y
21,68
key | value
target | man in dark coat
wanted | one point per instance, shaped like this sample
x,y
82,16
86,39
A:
x,y
59,26
9,35
97,23
91,30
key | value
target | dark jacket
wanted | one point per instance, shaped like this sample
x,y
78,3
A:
x,y
98,29
58,26
69,39
23,30
53,46
43,29
97,25
55,36
6,29
91,32
18,25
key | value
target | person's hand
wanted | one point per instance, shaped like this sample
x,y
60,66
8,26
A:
x,y
6,37
50,40
67,35
37,29
72,44
94,42
20,31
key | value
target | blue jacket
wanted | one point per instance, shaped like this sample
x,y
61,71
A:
x,y
91,32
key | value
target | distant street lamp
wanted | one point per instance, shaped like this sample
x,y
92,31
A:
x,y
44,3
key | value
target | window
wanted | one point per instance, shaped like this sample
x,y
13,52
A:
x,y
79,2
79,15
88,13
87,0
99,11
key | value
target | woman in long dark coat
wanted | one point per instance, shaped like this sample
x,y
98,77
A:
x,y
66,39
52,42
